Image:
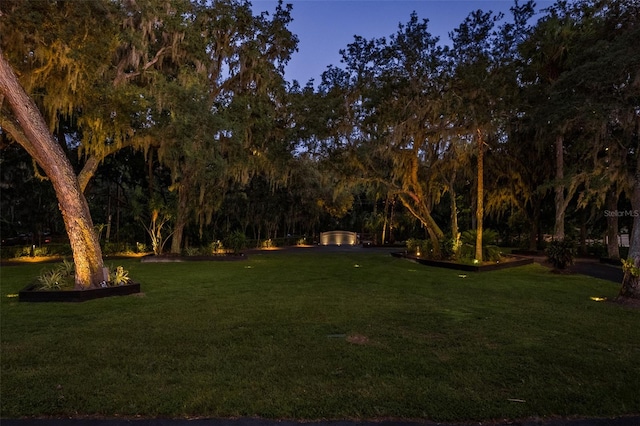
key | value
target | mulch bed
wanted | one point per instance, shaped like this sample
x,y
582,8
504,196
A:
x,y
508,262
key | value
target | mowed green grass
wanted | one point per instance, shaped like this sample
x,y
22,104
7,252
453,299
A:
x,y
330,336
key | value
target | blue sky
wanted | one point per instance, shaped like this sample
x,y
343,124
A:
x,y
326,26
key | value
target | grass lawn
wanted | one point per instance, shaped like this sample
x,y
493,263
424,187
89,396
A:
x,y
331,336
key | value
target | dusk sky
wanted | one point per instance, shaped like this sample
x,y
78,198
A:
x,y
326,26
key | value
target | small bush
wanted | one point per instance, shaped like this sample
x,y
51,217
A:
x,y
41,251
24,251
58,278
468,253
235,241
119,276
448,249
413,245
421,248
62,276
10,252
268,243
192,251
490,252
560,253
141,248
110,249
55,250
216,247
52,280
489,237
67,268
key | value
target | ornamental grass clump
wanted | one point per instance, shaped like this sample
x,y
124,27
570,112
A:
x,y
58,278
52,280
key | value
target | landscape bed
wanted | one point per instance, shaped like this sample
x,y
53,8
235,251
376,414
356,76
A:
x,y
32,294
312,336
510,261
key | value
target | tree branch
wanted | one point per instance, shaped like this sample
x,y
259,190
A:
x,y
124,77
91,165
12,126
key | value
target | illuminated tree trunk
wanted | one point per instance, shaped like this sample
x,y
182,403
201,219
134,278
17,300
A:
x,y
558,233
454,206
181,218
392,238
480,201
384,222
423,214
631,281
31,132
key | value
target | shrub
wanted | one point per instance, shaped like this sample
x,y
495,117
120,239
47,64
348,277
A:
x,y
191,251
448,249
422,248
629,267
111,248
67,268
48,250
10,252
467,253
490,252
41,251
118,277
413,245
24,251
216,247
235,241
560,253
58,278
62,277
489,237
51,280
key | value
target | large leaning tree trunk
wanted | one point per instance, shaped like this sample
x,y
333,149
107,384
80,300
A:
x,y
631,281
30,130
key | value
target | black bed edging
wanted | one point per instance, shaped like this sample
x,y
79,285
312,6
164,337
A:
x,y
464,267
30,294
178,258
